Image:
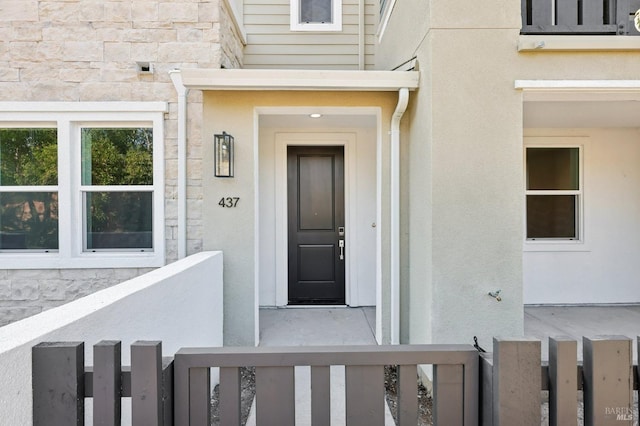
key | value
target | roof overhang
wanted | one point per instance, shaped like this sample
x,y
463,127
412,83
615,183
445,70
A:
x,y
579,90
325,80
580,103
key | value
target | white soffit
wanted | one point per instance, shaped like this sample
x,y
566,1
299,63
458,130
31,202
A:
x,y
327,80
579,90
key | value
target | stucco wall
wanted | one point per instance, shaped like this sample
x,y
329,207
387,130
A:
x,y
465,163
463,168
234,229
87,51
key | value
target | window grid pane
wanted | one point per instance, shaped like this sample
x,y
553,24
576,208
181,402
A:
x,y
553,169
119,220
552,216
316,11
29,221
117,156
28,157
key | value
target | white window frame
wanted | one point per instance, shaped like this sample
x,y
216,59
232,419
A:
x,y
68,118
297,25
558,244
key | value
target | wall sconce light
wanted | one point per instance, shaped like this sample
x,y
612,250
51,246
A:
x,y
223,146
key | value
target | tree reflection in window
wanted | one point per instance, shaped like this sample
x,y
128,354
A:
x,y
28,211
122,217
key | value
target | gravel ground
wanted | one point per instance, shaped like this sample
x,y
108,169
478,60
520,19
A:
x,y
248,386
425,402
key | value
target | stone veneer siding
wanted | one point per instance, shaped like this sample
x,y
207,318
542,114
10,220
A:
x,y
86,50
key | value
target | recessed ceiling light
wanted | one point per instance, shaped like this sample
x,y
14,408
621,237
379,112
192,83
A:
x,y
315,115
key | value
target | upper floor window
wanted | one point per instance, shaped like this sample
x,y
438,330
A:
x,y
316,15
81,188
554,193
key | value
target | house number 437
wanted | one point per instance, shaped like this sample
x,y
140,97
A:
x,y
228,202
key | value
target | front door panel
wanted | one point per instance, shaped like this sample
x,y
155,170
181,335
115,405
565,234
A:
x,y
315,186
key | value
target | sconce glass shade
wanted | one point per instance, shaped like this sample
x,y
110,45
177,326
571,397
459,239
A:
x,y
223,146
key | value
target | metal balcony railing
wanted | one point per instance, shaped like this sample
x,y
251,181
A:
x,y
579,17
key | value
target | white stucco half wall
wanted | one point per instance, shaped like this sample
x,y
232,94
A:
x,y
179,304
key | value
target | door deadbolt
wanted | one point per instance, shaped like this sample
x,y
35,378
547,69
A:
x,y
341,231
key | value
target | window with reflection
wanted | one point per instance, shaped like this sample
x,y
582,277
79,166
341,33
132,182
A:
x,y
28,189
117,188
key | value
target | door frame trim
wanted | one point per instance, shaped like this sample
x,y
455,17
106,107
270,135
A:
x,y
282,141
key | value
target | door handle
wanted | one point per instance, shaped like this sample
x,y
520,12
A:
x,y
341,245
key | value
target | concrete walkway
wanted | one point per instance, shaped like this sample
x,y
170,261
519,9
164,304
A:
x,y
318,327
578,321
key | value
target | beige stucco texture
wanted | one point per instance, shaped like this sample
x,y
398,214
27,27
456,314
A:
x,y
464,156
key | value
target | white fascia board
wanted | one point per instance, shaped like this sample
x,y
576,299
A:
x,y
84,107
582,43
329,80
579,90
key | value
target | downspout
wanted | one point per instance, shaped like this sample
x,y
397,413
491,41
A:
x,y
403,100
176,78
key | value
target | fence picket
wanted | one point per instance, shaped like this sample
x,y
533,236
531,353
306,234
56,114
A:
x,y
58,384
275,396
448,381
407,395
516,381
365,394
563,381
107,384
321,395
146,383
230,396
608,382
199,396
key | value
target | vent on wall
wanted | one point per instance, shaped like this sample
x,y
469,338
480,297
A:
x,y
144,67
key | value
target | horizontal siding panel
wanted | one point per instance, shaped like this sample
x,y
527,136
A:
x,y
271,44
266,20
305,59
284,20
267,9
310,39
301,50
284,9
301,67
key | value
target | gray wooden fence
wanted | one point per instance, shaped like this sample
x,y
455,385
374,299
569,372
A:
x,y
455,383
60,387
504,387
578,17
513,376
61,383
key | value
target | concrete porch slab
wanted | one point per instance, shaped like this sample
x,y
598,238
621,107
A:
x,y
541,322
318,327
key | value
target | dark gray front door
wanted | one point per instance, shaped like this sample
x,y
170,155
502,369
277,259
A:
x,y
315,182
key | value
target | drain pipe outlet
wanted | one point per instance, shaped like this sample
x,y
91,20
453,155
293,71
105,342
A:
x,y
176,78
403,100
